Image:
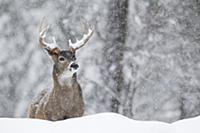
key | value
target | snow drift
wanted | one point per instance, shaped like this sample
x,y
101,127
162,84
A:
x,y
99,123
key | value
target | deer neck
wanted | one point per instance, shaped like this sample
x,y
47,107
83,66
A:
x,y
64,80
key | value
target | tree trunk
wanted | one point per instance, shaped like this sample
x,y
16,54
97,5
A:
x,y
114,49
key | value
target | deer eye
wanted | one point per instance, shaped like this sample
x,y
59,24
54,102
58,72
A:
x,y
61,59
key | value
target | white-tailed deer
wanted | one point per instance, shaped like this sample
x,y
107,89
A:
x,y
65,99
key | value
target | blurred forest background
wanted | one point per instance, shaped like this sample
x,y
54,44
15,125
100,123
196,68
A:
x,y
143,60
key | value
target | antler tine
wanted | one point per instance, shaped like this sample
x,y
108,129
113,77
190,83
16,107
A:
x,y
42,33
43,28
80,43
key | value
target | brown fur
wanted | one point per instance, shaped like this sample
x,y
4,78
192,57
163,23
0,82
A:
x,y
60,103
65,99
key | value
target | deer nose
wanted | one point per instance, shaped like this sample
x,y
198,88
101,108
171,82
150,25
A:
x,y
74,65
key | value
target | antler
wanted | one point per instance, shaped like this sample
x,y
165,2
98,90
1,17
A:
x,y
80,43
50,47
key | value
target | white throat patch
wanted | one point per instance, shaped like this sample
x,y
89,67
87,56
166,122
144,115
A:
x,y
66,77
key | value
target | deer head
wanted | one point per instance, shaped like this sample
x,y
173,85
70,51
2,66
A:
x,y
64,60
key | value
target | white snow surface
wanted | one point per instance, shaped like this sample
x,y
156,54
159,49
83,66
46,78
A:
x,y
99,123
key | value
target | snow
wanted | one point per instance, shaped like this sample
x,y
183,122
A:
x,y
161,63
99,123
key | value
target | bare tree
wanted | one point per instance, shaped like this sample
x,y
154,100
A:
x,y
113,51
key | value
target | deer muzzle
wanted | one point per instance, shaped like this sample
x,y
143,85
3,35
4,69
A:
x,y
74,66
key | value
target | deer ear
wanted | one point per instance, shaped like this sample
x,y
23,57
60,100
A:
x,y
72,50
54,51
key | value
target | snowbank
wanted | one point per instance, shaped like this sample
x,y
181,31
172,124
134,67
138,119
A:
x,y
100,123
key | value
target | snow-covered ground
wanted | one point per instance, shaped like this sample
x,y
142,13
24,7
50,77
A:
x,y
100,123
